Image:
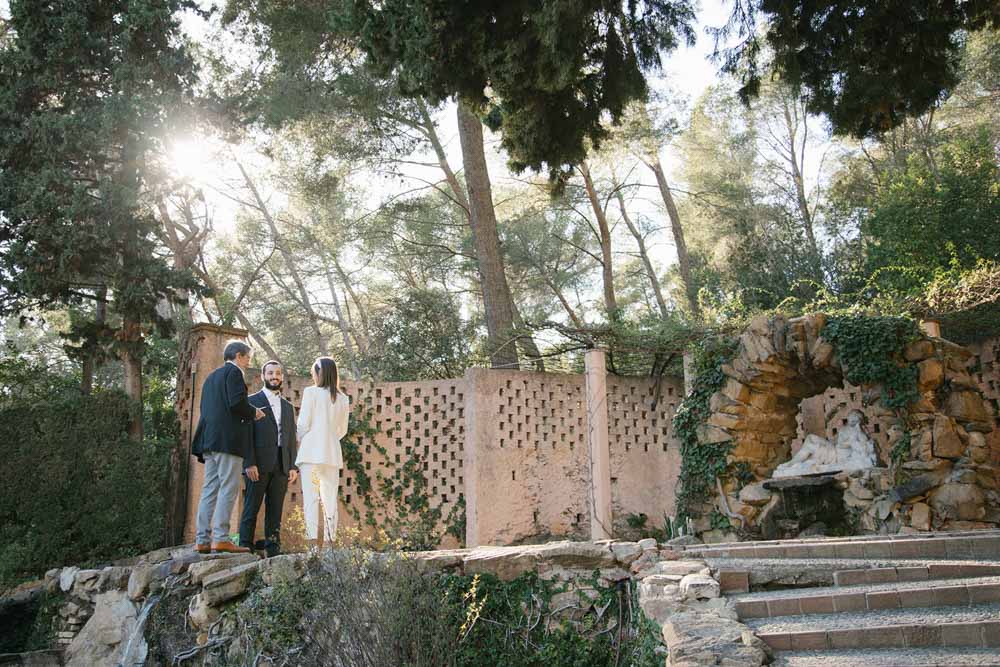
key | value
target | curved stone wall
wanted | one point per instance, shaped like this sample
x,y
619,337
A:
x,y
949,479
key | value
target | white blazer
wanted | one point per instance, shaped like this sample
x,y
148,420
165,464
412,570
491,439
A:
x,y
321,425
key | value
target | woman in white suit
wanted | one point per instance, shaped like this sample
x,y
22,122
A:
x,y
322,423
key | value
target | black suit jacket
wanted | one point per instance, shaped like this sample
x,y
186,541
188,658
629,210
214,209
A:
x,y
264,453
226,422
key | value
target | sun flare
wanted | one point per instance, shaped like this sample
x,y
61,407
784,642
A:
x,y
193,160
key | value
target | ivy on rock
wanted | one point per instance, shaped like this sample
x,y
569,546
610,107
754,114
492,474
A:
x,y
701,463
872,351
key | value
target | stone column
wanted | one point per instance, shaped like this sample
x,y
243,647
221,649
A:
x,y
687,360
600,454
931,328
477,422
206,343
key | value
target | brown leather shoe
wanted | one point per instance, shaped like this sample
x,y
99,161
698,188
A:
x,y
202,549
228,548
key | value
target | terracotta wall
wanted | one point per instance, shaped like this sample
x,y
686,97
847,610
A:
x,y
410,417
513,443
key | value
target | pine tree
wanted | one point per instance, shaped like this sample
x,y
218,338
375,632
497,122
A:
x,y
86,93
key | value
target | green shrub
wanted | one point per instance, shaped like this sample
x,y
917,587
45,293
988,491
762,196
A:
x,y
367,609
73,487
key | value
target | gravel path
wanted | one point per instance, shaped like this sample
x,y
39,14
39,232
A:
x,y
862,588
926,657
935,615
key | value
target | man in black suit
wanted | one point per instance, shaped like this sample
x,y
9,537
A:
x,y
270,465
224,437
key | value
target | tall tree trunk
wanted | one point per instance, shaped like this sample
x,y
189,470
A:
x,y
497,304
131,358
683,260
345,280
565,302
643,255
795,164
607,265
289,259
430,131
90,362
527,341
345,329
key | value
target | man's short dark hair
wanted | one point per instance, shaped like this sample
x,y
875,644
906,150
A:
x,y
233,348
271,362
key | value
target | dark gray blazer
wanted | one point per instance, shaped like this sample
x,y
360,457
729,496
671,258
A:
x,y
226,422
264,453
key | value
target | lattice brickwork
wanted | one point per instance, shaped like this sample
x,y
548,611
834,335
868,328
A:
x,y
645,458
412,418
985,368
830,409
531,457
826,413
528,441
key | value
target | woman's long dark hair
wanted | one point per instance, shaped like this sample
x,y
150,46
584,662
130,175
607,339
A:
x,y
326,369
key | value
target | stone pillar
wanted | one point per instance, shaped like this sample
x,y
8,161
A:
x,y
931,328
687,361
600,454
205,345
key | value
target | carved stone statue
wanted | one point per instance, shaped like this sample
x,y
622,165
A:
x,y
853,450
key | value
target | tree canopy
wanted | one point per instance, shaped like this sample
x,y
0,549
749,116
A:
x,y
867,66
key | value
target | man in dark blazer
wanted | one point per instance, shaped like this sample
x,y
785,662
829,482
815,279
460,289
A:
x,y
270,464
224,437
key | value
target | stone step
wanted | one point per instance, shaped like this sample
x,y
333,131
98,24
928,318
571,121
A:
x,y
880,575
954,547
973,626
869,597
880,657
775,573
848,538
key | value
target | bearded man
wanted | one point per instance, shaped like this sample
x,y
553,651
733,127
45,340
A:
x,y
270,465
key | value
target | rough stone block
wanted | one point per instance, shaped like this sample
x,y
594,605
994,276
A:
x,y
919,350
967,406
947,442
626,552
647,544
198,571
699,587
201,613
920,516
965,502
228,584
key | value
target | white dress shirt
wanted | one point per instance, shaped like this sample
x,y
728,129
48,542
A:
x,y
274,399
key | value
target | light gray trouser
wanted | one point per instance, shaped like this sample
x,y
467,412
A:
x,y
218,496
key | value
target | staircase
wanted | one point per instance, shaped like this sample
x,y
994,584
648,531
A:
x,y
902,600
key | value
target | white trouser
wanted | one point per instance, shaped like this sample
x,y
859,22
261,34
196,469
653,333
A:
x,y
319,482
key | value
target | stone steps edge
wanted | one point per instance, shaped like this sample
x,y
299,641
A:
x,y
983,634
862,601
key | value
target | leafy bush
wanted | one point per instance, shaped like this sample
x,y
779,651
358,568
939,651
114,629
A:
x,y
361,608
73,487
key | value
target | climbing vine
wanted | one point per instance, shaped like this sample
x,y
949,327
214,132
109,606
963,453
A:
x,y
701,463
409,521
872,351
360,435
